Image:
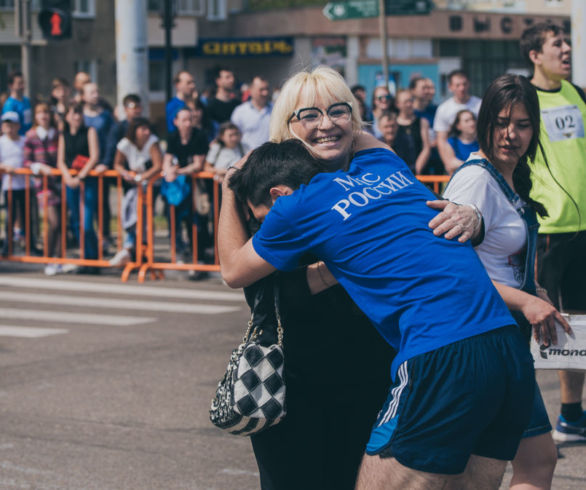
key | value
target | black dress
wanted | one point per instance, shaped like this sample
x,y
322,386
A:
x,y
337,371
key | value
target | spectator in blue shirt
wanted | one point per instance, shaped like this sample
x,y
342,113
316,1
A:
x,y
184,93
462,139
17,102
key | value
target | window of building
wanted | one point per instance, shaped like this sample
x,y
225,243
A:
x,y
6,4
217,10
156,76
554,3
180,7
84,8
89,66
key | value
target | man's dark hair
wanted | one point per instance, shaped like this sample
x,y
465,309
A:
x,y
457,73
414,81
12,76
356,88
219,69
134,98
288,163
533,38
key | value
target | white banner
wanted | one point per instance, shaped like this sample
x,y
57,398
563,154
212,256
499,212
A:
x,y
568,353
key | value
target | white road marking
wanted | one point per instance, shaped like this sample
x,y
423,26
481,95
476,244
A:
x,y
120,289
91,302
29,332
78,318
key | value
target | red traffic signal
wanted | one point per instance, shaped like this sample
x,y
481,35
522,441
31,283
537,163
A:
x,y
55,23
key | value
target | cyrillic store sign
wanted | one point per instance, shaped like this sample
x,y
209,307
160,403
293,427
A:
x,y
262,46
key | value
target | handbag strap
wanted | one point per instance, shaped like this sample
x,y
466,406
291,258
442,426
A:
x,y
251,332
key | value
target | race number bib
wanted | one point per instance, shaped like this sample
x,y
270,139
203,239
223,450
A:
x,y
563,123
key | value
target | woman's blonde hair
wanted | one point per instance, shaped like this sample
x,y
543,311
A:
x,y
304,88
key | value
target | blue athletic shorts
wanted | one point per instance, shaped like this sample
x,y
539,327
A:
x,y
539,420
474,396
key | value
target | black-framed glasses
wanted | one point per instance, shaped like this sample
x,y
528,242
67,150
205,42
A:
x,y
383,97
312,116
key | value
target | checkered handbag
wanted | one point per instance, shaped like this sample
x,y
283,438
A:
x,y
251,395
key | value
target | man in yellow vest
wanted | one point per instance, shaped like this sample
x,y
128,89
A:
x,y
559,183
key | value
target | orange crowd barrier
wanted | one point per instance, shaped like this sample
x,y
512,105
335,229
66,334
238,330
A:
x,y
152,257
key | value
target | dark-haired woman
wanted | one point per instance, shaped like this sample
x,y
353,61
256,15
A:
x,y
496,179
138,158
79,150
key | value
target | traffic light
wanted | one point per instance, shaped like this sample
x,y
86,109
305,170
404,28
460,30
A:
x,y
55,19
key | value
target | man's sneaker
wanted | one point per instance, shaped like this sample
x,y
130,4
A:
x,y
120,259
570,431
53,269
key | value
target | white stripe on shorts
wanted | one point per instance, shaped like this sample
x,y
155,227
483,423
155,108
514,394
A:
x,y
396,394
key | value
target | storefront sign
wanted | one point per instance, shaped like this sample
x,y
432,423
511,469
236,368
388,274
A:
x,y
281,46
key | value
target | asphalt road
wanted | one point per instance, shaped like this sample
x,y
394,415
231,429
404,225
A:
x,y
107,386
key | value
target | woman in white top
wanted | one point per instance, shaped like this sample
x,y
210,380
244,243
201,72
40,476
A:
x,y
496,179
226,150
138,159
12,158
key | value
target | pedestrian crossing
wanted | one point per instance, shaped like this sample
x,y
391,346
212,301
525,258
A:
x,y
30,306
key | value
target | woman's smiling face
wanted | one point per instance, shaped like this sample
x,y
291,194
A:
x,y
328,138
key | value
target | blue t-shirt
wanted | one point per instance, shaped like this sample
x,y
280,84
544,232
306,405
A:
x,y
171,110
462,150
428,113
370,226
105,127
24,111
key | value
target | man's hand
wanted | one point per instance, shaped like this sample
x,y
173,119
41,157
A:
x,y
455,220
100,168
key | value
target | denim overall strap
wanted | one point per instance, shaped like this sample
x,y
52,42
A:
x,y
527,214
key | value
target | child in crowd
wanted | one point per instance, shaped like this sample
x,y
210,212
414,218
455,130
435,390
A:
x,y
40,155
226,150
138,159
12,158
462,139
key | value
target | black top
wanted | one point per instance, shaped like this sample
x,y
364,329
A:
x,y
220,111
327,339
412,132
75,144
197,145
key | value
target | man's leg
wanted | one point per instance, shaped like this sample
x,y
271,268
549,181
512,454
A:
x,y
378,473
481,474
571,425
388,474
534,463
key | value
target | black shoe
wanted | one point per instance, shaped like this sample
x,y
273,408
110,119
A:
x,y
92,271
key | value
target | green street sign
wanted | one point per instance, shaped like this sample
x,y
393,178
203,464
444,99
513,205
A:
x,y
408,7
351,9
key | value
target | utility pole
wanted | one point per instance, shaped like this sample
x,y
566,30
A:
x,y
168,27
132,74
383,39
24,31
578,43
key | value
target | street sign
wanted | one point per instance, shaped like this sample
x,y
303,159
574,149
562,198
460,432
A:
x,y
351,9
408,7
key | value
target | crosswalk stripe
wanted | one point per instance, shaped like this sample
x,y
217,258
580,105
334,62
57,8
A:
x,y
91,302
120,289
78,318
29,332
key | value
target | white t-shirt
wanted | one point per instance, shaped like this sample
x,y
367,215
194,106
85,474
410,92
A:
x,y
135,157
505,236
221,157
12,154
446,112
